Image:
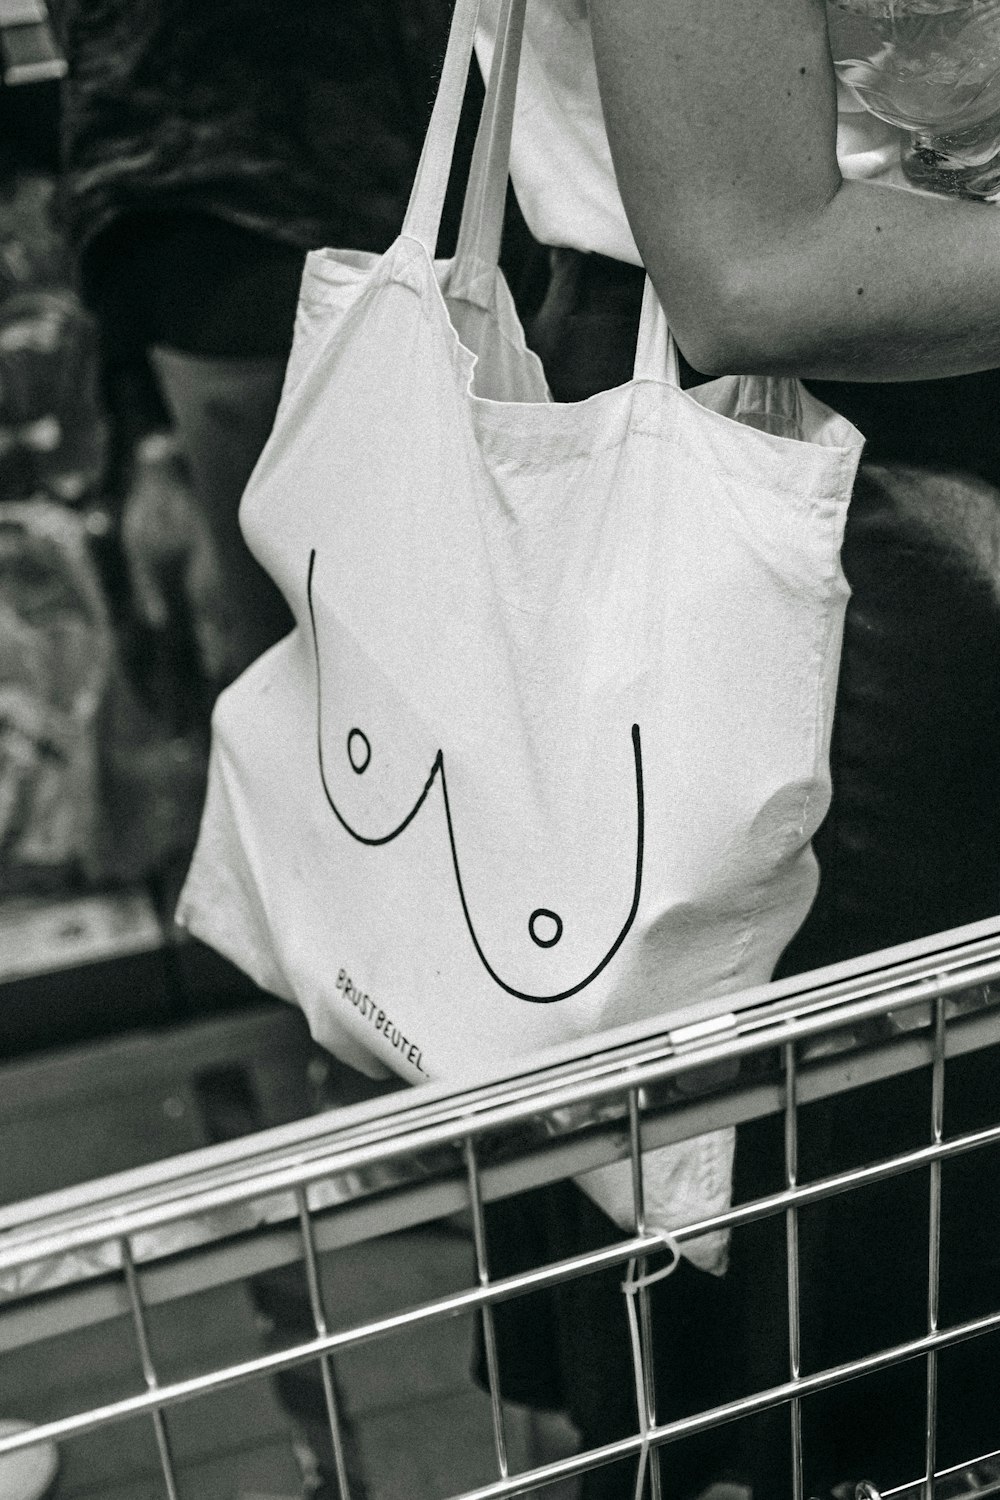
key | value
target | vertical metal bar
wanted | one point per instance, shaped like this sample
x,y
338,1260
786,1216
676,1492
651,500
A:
x,y
148,1368
319,1319
934,1248
645,1314
792,1255
489,1331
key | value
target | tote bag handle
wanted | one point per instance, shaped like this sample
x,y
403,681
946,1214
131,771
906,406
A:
x,y
477,252
422,221
478,248
655,350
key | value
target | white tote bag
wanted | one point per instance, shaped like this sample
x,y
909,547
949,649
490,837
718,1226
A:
x,y
547,745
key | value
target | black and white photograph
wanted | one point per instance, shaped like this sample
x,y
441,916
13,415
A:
x,y
499,749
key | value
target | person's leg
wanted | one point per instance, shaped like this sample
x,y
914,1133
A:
x,y
223,410
568,1349
691,1320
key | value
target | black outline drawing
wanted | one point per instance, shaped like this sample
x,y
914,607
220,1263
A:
x,y
543,911
438,768
359,770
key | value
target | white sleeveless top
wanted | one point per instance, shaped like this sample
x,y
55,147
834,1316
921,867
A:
x,y
560,159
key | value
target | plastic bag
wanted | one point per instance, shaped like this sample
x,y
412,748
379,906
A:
x,y
55,660
94,786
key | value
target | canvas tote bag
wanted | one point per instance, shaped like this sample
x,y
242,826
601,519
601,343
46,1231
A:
x,y
546,747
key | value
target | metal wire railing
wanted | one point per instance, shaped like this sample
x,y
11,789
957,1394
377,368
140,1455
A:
x,y
139,1240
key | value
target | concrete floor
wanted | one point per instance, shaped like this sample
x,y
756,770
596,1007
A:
x,y
422,1430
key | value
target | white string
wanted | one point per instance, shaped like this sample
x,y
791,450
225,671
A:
x,y
631,1286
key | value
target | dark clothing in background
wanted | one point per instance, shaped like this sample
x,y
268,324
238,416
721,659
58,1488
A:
x,y
191,281
289,120
207,148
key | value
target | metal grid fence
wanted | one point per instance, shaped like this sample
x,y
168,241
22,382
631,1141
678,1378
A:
x,y
139,1240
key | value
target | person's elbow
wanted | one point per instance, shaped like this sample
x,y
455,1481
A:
x,y
737,317
752,298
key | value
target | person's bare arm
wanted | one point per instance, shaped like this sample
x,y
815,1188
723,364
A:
x,y
721,116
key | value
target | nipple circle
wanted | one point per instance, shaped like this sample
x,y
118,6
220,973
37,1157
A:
x,y
359,751
545,927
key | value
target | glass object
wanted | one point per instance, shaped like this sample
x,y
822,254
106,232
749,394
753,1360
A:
x,y
932,68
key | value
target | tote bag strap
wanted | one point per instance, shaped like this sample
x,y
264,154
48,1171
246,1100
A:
x,y
477,252
422,221
655,350
478,248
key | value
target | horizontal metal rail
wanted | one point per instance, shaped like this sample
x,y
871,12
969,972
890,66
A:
x,y
166,1396
220,1178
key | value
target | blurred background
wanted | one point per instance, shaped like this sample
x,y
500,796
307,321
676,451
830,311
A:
x,y
164,168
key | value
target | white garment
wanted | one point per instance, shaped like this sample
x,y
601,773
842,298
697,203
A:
x,y
560,160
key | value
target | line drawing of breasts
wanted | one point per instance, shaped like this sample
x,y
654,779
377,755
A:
x,y
545,924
